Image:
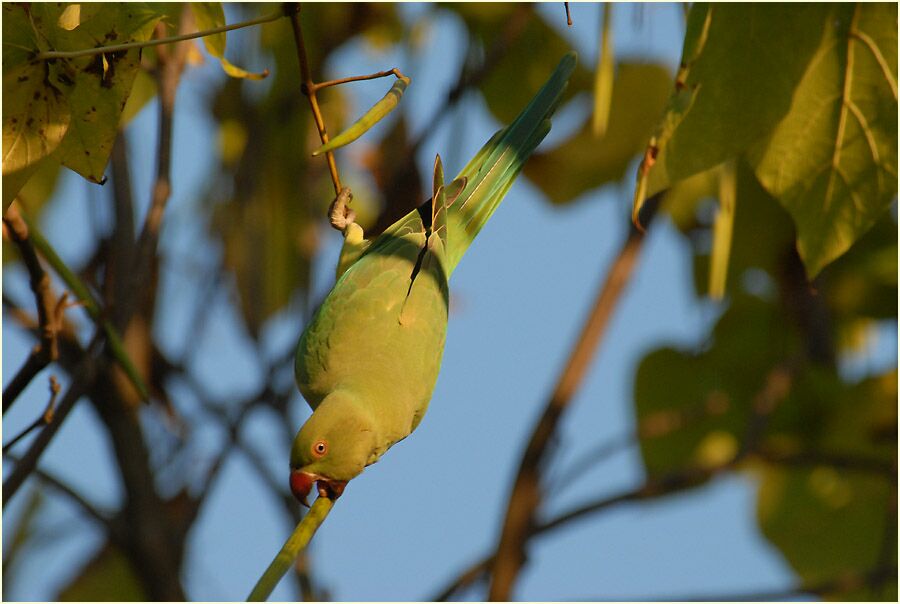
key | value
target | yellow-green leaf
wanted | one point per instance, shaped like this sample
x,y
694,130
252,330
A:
x,y
723,226
740,66
603,79
375,114
210,15
36,114
102,84
108,576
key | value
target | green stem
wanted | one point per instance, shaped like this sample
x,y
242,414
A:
x,y
91,305
296,543
72,54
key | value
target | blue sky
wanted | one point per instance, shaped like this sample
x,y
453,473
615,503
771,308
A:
x,y
434,503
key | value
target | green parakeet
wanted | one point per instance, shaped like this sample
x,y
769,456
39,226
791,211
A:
x,y
368,360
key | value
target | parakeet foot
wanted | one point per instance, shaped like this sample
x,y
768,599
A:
x,y
340,214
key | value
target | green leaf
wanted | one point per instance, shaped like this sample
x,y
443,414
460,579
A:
x,y
832,160
828,520
68,106
584,162
102,84
210,15
108,576
35,112
740,66
375,114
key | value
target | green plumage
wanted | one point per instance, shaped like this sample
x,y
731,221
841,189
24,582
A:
x,y
369,359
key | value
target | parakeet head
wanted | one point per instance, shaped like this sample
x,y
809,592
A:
x,y
333,446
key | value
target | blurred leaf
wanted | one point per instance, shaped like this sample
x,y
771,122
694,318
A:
x,y
737,81
108,577
863,282
584,162
832,160
142,92
209,15
681,200
723,227
42,180
761,238
826,520
520,71
604,75
395,175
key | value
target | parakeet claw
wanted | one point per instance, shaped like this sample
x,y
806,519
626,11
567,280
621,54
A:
x,y
331,488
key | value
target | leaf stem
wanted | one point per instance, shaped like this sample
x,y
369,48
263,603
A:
x,y
372,76
72,54
308,87
297,542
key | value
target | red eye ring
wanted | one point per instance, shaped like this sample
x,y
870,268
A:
x,y
319,448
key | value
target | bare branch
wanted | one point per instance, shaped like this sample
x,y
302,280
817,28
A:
x,y
83,378
526,495
44,419
46,351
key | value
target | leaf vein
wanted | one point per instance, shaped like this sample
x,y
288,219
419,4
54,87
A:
x,y
879,58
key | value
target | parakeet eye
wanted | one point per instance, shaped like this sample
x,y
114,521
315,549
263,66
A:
x,y
320,448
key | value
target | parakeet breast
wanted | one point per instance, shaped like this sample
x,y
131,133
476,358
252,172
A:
x,y
380,335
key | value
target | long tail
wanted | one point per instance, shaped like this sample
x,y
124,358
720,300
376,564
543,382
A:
x,y
492,171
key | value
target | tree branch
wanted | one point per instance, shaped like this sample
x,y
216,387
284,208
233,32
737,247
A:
x,y
526,495
83,377
46,351
42,420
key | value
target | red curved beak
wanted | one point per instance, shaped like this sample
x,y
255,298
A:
x,y
301,485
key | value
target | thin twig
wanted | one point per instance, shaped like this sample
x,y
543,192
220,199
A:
x,y
526,495
101,517
72,54
308,87
568,15
83,377
167,78
44,419
372,76
46,350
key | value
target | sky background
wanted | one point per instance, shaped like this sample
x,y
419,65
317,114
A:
x,y
433,505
